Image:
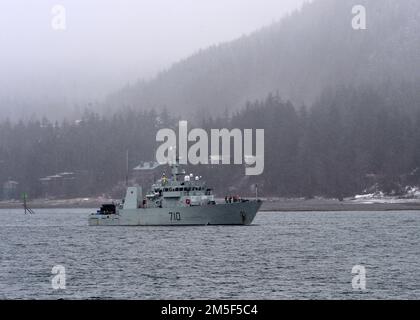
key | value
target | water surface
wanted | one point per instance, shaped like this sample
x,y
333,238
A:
x,y
305,255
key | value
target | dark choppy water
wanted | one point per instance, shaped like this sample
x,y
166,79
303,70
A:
x,y
282,256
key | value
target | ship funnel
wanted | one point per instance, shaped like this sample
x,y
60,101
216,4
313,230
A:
x,y
133,198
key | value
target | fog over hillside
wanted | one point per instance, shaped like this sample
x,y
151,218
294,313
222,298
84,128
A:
x,y
298,57
340,107
106,46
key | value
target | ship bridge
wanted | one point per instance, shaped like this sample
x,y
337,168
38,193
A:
x,y
179,190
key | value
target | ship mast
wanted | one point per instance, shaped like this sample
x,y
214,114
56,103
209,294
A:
x,y
175,169
174,164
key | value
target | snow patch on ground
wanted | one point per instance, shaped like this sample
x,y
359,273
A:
x,y
412,194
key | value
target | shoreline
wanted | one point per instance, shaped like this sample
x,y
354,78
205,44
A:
x,y
270,204
328,205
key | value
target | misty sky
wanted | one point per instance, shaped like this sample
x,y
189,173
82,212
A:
x,y
110,43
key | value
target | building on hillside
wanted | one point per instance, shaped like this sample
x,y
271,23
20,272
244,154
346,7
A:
x,y
146,173
62,185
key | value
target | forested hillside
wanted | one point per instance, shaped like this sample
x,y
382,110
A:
x,y
343,116
352,139
298,57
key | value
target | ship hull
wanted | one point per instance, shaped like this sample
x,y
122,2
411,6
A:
x,y
239,213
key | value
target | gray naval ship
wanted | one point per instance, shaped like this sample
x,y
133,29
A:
x,y
179,200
